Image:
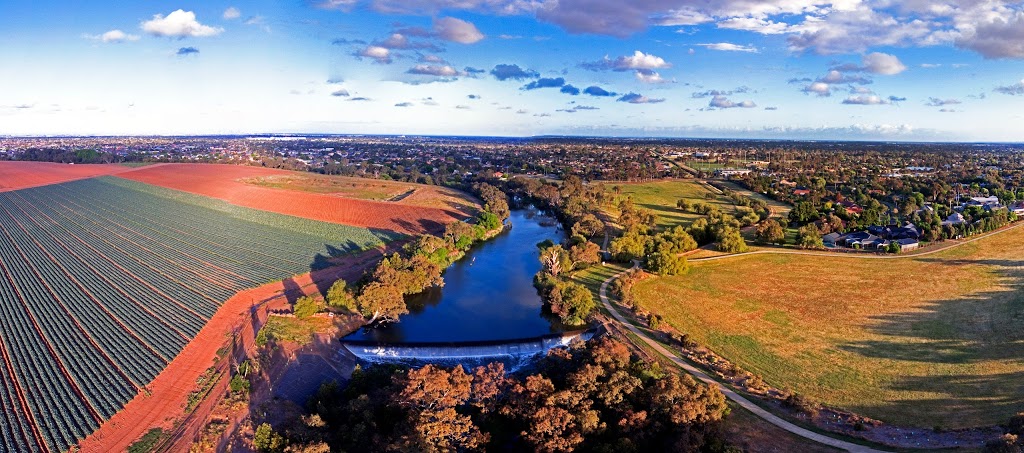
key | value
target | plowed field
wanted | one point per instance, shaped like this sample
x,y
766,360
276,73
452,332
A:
x,y
225,182
21,175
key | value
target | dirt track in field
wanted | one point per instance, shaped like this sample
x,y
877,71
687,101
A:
x,y
16,175
222,182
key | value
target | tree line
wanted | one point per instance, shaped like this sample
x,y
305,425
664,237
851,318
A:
x,y
593,396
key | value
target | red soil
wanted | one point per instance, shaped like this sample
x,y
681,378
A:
x,y
16,175
239,319
221,181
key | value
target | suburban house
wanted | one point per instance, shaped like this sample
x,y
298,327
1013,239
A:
x,y
831,240
877,238
727,172
955,218
1017,207
858,238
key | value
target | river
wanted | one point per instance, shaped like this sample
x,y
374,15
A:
x,y
488,295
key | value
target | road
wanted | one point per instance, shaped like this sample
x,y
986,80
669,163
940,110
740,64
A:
x,y
729,393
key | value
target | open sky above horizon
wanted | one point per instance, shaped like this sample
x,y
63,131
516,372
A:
x,y
800,69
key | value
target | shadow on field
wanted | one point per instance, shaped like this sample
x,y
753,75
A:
x,y
972,329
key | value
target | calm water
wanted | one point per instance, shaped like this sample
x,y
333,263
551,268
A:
x,y
488,295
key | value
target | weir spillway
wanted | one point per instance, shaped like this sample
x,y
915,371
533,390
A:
x,y
473,351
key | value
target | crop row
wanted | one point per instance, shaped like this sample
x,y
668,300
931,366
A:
x,y
104,281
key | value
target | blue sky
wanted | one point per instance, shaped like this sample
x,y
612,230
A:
x,y
851,69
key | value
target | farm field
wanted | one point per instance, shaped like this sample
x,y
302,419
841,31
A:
x,y
225,182
20,175
923,341
661,197
104,281
368,189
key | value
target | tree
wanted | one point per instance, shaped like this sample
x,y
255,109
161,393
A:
x,y
576,304
555,260
681,240
266,440
666,263
305,307
494,199
627,248
339,296
731,241
589,226
802,213
894,247
585,253
683,205
459,235
381,302
770,232
809,237
430,395
489,220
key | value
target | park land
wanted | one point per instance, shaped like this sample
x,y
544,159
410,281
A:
x,y
929,340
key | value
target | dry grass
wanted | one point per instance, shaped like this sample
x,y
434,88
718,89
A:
x,y
929,341
369,189
661,197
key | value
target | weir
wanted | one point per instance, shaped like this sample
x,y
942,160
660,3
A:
x,y
473,351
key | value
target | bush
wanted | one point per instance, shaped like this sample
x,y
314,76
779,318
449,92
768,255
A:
x,y
802,404
305,307
239,384
268,441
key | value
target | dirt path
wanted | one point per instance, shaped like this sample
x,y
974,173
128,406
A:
x,y
937,249
729,393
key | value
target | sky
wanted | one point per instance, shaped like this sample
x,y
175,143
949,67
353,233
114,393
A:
x,y
909,70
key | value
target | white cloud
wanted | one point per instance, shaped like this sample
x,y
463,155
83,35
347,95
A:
x,y
637,61
379,54
936,102
729,47
457,30
178,24
434,70
722,102
231,13
648,76
818,88
866,99
1015,89
113,36
997,37
756,25
680,17
634,98
882,63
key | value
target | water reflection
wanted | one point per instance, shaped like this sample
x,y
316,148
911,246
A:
x,y
488,295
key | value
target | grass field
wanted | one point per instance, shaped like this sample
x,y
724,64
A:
x,y
661,197
367,189
929,341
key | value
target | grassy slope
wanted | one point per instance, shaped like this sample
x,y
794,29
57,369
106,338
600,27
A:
x,y
930,341
661,197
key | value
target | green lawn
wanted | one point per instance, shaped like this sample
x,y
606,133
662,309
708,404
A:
x,y
926,341
661,197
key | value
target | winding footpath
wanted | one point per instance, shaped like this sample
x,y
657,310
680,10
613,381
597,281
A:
x,y
729,393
